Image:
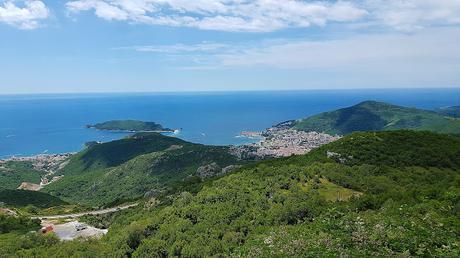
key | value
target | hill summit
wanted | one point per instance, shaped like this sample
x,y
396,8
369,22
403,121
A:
x,y
378,116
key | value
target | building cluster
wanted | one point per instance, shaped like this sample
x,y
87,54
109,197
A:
x,y
282,142
49,163
42,162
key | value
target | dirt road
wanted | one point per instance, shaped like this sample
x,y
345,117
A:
x,y
76,215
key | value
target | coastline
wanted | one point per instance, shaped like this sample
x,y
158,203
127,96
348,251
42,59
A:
x,y
35,157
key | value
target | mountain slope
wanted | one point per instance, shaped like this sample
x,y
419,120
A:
x,y
357,197
391,148
378,116
453,111
20,198
114,153
309,206
144,164
13,173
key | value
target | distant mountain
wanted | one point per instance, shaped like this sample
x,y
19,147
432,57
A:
x,y
146,164
378,116
453,111
129,125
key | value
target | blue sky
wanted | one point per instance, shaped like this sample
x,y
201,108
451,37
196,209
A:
x,y
183,45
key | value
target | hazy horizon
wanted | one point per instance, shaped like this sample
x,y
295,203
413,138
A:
x,y
223,91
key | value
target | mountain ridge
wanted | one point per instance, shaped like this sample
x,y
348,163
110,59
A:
x,y
377,116
127,169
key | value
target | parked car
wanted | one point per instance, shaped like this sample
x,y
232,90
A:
x,y
80,227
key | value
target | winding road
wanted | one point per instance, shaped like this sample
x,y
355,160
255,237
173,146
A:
x,y
76,215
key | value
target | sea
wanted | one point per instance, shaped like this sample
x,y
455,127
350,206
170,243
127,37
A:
x,y
56,123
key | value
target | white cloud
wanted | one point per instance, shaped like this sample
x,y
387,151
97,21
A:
x,y
178,48
224,15
25,16
430,54
270,15
409,15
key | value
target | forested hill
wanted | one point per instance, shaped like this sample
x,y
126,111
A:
x,y
371,194
145,164
378,116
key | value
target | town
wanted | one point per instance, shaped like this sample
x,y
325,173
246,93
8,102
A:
x,y
281,141
49,163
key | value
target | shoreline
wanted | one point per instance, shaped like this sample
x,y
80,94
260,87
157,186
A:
x,y
35,156
17,157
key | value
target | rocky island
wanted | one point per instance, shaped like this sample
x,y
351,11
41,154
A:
x,y
130,126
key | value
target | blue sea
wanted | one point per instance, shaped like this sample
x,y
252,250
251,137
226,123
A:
x,y
34,124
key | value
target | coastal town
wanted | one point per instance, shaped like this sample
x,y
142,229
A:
x,y
281,141
42,162
48,163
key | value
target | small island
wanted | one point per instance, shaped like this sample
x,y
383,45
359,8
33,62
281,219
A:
x,y
130,126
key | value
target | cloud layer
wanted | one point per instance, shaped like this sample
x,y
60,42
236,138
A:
x,y
430,48
27,15
247,15
429,55
270,15
409,15
223,15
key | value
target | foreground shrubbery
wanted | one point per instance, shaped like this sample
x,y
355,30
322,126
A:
x,y
390,197
10,223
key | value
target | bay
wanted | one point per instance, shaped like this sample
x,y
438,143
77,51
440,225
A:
x,y
55,123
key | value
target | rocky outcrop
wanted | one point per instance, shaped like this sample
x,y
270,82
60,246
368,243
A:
x,y
152,193
29,186
214,169
230,169
209,170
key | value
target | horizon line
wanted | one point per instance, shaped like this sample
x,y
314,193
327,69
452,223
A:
x,y
221,91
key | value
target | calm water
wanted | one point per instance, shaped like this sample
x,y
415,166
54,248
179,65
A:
x,y
33,124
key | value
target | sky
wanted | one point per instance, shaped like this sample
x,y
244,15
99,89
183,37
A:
x,y
59,46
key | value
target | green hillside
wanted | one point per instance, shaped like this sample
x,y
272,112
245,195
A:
x,y
115,153
129,125
391,148
13,173
21,198
144,164
378,116
367,195
453,111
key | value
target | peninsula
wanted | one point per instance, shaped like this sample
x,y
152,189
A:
x,y
130,126
376,116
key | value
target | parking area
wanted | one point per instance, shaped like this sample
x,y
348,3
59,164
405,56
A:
x,y
74,229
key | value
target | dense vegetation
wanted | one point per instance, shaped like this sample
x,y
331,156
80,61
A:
x,y
129,125
453,111
392,148
378,116
21,198
13,173
17,223
144,164
366,195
